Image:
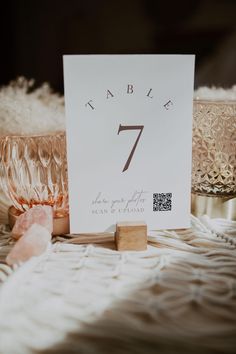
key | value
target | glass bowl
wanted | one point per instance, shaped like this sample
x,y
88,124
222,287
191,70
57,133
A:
x,y
214,158
33,171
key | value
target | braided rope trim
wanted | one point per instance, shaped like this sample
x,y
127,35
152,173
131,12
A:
x,y
205,234
179,294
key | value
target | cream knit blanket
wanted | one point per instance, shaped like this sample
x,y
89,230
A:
x,y
179,296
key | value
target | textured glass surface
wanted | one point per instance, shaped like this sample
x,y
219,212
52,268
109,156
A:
x,y
33,171
214,148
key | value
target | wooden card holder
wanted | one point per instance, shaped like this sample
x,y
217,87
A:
x,y
131,236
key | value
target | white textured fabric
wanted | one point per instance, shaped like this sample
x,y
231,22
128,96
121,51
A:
x,y
215,93
179,296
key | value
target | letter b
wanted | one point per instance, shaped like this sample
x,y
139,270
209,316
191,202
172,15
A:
x,y
130,88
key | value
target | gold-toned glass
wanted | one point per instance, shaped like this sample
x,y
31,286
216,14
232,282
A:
x,y
33,170
214,157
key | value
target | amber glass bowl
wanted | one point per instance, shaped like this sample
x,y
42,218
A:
x,y
33,170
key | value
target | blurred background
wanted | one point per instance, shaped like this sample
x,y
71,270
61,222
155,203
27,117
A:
x,y
35,35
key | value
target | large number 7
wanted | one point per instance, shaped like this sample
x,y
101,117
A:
x,y
131,127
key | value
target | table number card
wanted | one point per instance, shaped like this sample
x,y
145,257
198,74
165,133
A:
x,y
129,140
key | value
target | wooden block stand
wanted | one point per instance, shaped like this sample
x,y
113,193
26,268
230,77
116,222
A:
x,y
131,236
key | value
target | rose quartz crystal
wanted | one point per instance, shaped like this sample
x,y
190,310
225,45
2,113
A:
x,y
40,214
33,243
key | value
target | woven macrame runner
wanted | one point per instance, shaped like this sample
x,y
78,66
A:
x,y
179,296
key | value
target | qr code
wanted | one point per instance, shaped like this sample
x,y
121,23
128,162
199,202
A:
x,y
162,201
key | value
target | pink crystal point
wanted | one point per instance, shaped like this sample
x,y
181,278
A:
x,y
33,243
40,214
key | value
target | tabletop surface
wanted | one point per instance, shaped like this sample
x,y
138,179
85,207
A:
x,y
179,296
